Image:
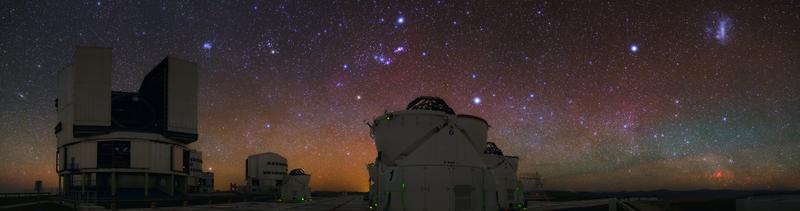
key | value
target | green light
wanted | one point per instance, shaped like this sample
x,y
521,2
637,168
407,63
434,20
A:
x,y
403,186
302,198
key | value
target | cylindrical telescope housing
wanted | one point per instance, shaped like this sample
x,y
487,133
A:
x,y
475,128
396,132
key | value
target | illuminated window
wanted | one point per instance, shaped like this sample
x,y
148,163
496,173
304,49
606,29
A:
x,y
114,154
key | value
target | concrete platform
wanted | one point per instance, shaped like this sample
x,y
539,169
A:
x,y
345,203
557,205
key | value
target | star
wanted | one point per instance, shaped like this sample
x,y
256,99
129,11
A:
x,y
401,20
634,48
380,58
476,100
207,45
399,49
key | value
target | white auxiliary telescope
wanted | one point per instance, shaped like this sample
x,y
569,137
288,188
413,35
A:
x,y
430,158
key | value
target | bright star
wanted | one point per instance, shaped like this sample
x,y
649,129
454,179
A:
x,y
401,20
382,59
476,100
207,45
399,49
634,48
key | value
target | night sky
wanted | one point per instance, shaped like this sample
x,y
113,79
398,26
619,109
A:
x,y
594,95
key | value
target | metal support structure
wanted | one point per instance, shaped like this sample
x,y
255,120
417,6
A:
x,y
114,183
83,182
146,183
171,185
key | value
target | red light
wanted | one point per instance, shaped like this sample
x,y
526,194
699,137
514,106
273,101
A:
x,y
718,174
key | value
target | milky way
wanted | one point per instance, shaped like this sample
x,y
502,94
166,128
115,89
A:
x,y
594,96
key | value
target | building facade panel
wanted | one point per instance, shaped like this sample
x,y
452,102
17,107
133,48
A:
x,y
141,154
92,87
182,92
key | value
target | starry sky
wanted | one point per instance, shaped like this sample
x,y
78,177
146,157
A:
x,y
595,95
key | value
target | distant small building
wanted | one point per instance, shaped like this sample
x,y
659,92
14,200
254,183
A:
x,y
206,182
199,181
295,186
264,173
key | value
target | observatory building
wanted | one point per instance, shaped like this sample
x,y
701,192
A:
x,y
430,158
504,168
266,174
295,187
126,144
199,181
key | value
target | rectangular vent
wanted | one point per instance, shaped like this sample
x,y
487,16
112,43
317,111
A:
x,y
463,197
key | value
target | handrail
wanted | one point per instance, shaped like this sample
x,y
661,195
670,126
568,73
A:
x,y
79,197
627,206
23,194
